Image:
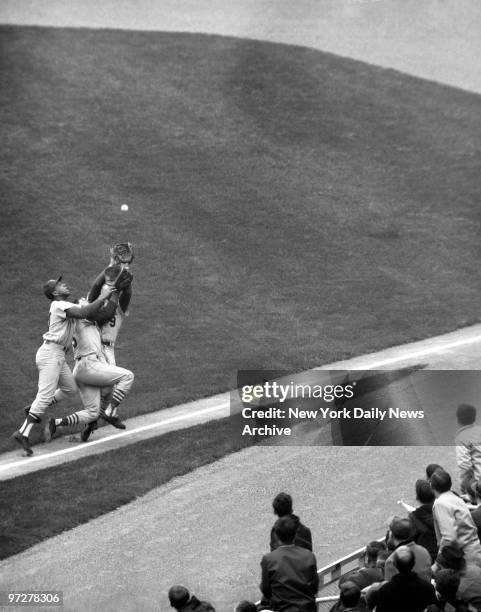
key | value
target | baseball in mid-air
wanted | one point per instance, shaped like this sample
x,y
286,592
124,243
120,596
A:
x,y
124,207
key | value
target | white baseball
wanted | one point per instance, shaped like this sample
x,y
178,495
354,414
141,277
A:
x,y
124,207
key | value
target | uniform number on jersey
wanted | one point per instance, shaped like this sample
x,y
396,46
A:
x,y
112,321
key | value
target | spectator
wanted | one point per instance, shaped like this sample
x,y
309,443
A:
x,y
282,506
182,601
246,606
451,557
476,513
382,557
422,519
401,535
447,583
468,446
405,591
349,599
370,573
289,573
431,468
452,520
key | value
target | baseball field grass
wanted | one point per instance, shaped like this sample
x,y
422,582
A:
x,y
76,492
288,207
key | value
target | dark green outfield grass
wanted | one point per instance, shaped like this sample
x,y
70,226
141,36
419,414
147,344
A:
x,y
288,207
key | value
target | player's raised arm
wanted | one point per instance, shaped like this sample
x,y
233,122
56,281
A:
x,y
84,312
94,292
107,310
125,297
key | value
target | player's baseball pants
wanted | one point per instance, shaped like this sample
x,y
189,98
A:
x,y
106,393
91,375
55,378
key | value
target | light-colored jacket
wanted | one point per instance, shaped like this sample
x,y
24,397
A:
x,y
468,451
453,523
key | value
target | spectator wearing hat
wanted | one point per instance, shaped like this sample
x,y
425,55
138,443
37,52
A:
x,y
405,591
451,557
452,519
468,446
422,519
401,534
282,505
289,573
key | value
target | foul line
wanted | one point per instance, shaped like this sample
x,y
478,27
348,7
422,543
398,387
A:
x,y
217,408
130,432
413,354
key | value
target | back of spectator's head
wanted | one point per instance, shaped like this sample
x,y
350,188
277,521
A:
x,y
285,529
404,560
350,594
447,583
466,414
246,606
372,551
451,557
178,596
431,468
282,504
401,529
441,481
424,493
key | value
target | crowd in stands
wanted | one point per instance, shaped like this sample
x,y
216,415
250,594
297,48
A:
x,y
429,561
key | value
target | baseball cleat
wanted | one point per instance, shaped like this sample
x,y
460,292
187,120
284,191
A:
x,y
87,430
115,421
50,430
27,410
24,443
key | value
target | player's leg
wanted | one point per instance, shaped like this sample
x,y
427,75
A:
x,y
90,397
123,381
49,360
119,379
65,387
106,395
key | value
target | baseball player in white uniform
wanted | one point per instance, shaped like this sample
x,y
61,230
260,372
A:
x,y
91,373
110,329
55,379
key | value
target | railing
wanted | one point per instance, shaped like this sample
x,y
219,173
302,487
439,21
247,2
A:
x,y
330,574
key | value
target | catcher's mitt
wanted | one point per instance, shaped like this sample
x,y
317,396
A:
x,y
122,253
118,277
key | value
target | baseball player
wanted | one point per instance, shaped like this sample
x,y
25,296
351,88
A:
x,y
121,255
91,373
55,379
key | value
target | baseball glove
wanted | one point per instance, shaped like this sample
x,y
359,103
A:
x,y
118,277
122,253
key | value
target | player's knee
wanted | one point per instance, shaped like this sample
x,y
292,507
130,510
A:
x,y
93,413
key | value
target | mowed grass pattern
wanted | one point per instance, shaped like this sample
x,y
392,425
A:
x,y
288,207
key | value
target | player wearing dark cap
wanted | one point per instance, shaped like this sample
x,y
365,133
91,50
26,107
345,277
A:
x,y
55,378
